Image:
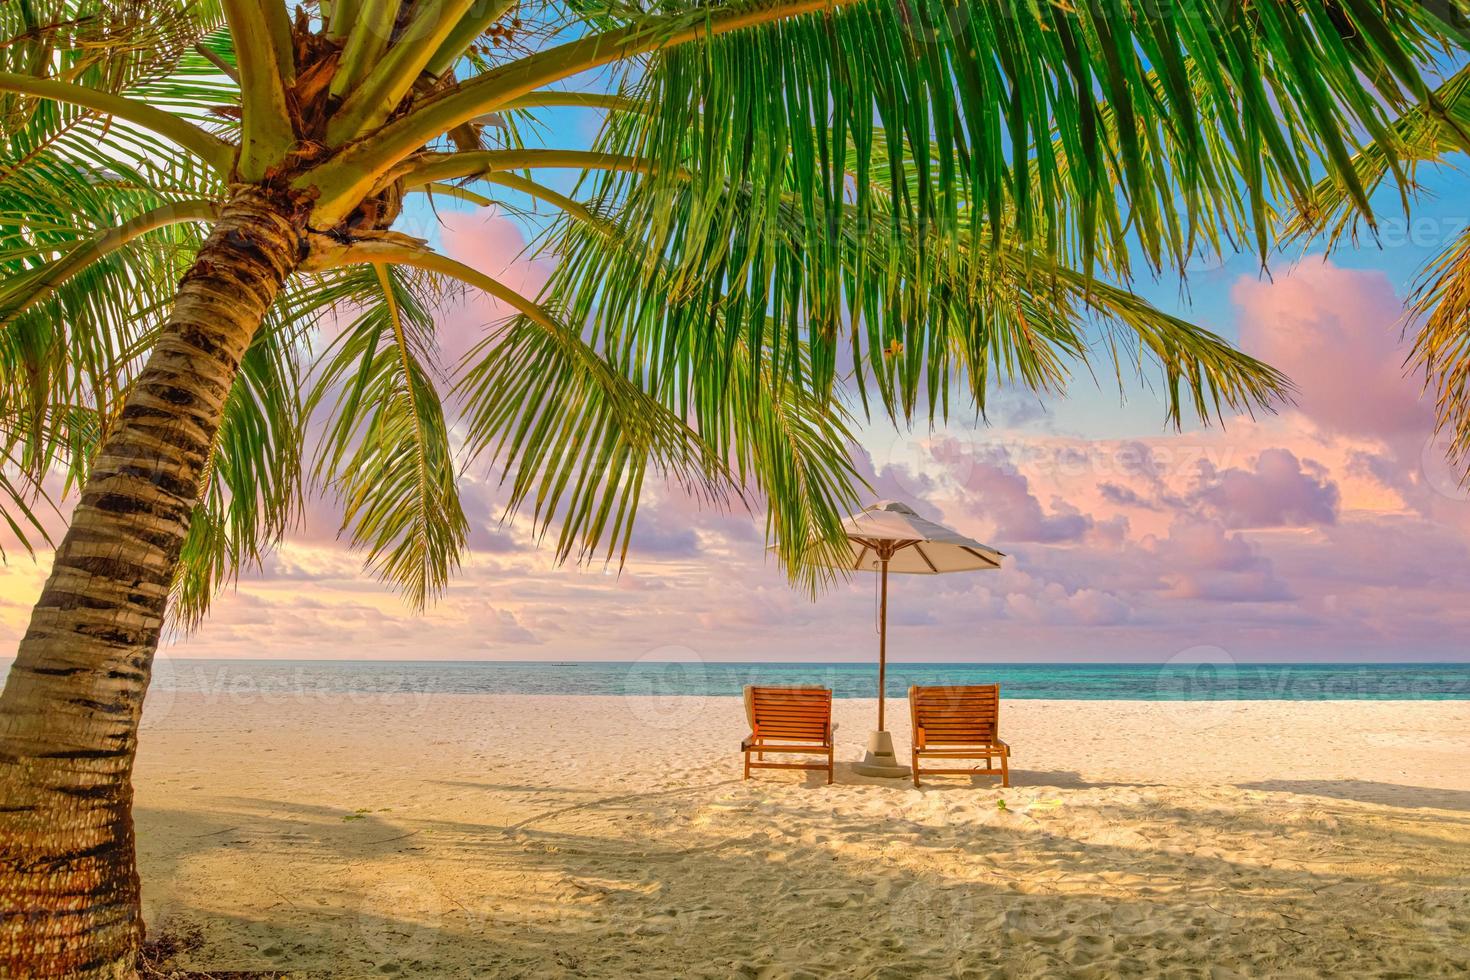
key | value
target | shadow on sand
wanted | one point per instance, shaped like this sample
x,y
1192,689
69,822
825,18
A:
x,y
1368,791
571,892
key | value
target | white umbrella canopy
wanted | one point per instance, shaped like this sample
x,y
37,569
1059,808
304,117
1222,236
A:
x,y
890,536
914,545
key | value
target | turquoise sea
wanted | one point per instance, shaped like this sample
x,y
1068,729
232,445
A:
x,y
1175,681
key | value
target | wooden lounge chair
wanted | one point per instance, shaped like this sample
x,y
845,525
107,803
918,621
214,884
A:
x,y
959,723
782,719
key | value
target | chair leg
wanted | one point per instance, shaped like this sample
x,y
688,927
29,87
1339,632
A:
x,y
747,764
1005,769
914,759
829,765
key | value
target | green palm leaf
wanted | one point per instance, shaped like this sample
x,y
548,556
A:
x,y
386,452
917,311
568,440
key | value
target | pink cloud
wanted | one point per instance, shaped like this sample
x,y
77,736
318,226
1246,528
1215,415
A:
x,y
500,627
1200,560
1336,332
996,489
496,246
1053,605
51,510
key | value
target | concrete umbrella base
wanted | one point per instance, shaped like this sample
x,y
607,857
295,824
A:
x,y
879,760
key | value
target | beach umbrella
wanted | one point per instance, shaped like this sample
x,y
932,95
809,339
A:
x,y
890,537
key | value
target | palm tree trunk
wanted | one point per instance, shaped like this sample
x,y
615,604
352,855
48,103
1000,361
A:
x,y
70,710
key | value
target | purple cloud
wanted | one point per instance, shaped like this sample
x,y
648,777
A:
x,y
1278,491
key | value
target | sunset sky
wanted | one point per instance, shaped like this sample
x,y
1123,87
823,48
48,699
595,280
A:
x,y
1332,530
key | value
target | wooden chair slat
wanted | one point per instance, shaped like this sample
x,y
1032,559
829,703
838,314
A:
x,y
783,711
804,711
791,702
763,713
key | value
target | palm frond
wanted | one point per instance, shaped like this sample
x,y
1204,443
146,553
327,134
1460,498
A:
x,y
71,179
561,435
74,342
1441,345
385,452
1426,133
917,311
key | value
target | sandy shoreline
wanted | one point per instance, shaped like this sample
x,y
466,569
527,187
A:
x,y
490,835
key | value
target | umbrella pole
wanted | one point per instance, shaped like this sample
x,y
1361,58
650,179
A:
x,y
879,759
882,644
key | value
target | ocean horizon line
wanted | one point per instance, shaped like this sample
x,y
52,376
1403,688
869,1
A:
x,y
872,663
1208,678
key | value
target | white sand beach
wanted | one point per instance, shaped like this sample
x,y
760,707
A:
x,y
516,836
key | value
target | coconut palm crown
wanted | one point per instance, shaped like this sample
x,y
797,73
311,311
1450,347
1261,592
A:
x,y
787,201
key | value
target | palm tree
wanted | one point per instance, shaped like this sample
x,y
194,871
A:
x,y
935,195
1427,133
